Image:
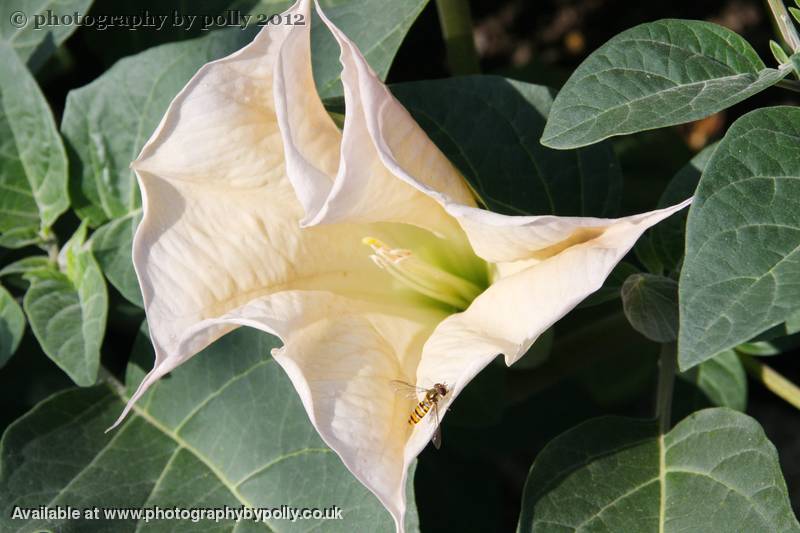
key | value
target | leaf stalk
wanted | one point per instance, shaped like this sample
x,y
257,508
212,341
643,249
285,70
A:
x,y
789,85
455,20
666,383
784,24
772,380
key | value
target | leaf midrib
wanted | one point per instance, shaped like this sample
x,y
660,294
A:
x,y
760,76
119,389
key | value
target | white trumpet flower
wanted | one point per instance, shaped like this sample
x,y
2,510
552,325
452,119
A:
x,y
362,249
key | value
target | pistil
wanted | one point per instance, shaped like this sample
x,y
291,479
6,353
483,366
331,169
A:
x,y
421,276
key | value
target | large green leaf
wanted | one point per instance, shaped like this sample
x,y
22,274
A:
x,y
107,122
35,28
226,428
112,246
489,127
715,471
389,21
172,20
12,325
741,274
33,164
650,303
661,248
654,75
615,366
67,310
28,378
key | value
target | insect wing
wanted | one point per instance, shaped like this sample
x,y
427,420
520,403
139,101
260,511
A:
x,y
437,432
407,390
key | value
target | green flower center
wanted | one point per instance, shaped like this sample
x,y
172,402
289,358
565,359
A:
x,y
421,276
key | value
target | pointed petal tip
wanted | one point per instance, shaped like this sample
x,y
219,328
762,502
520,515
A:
x,y
119,419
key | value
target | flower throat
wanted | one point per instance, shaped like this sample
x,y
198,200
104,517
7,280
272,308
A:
x,y
422,277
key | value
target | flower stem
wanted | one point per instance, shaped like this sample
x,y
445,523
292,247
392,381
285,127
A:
x,y
771,379
456,23
784,23
666,383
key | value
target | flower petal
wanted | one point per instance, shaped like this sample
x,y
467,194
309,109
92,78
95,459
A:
x,y
311,141
220,225
365,190
505,239
383,135
222,127
509,316
342,356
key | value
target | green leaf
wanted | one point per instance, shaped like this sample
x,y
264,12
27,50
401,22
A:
x,y
112,245
790,327
621,370
654,75
67,311
778,52
650,303
774,346
33,163
378,41
489,128
721,379
226,428
172,20
27,265
661,249
741,274
27,378
759,349
19,237
107,122
12,325
715,471
34,28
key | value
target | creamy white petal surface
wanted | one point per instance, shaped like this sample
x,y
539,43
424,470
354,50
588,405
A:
x,y
545,265
256,211
341,355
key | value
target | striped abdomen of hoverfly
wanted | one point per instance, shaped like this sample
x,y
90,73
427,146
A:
x,y
430,401
422,409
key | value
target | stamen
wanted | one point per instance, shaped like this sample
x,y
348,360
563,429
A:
x,y
422,276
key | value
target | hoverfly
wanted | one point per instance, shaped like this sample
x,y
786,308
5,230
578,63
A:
x,y
430,401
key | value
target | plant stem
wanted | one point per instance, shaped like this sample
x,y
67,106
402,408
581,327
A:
x,y
784,23
49,243
666,382
789,85
456,23
771,379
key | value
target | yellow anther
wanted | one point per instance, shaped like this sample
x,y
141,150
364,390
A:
x,y
422,276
